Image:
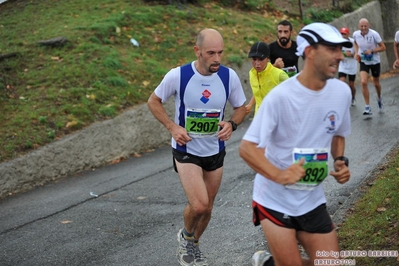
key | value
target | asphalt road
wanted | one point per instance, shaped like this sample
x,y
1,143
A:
x,y
129,213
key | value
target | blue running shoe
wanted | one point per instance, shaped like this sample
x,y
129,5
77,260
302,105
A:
x,y
380,104
367,111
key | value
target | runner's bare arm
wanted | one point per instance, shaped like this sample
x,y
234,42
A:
x,y
227,128
157,109
255,158
341,172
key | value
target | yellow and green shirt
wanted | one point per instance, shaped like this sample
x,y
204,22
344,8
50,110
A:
x,y
263,82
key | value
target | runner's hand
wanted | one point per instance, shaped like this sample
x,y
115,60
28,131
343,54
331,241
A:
x,y
341,173
226,129
248,108
279,63
292,174
180,135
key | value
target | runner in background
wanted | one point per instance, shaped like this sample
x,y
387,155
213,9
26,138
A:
x,y
263,76
368,45
348,66
396,50
282,51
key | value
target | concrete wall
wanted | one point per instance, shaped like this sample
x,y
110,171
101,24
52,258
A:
x,y
136,130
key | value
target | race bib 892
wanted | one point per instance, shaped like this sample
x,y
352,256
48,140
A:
x,y
316,167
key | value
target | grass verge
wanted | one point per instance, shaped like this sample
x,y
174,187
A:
x,y
372,225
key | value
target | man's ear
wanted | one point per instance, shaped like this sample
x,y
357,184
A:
x,y
197,50
309,52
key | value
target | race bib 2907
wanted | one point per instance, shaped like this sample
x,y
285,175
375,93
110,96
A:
x,y
202,123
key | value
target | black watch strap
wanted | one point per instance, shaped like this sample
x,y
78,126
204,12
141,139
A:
x,y
342,158
233,125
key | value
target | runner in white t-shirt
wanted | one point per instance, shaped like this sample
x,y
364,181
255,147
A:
x,y
368,45
300,123
201,90
348,66
395,50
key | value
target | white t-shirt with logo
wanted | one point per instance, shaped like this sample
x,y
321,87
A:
x,y
368,42
200,102
349,64
293,116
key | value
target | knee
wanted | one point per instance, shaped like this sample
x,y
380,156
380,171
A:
x,y
201,208
376,83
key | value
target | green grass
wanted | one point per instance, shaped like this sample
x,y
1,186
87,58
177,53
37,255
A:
x,y
46,92
373,223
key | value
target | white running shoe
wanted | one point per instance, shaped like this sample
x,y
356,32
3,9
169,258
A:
x,y
260,257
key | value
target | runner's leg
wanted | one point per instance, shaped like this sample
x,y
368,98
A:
x,y
191,178
283,244
364,76
212,181
313,242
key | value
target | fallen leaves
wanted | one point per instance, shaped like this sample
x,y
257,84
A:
x,y
381,209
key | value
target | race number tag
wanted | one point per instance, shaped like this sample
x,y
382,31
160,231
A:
x,y
291,71
316,167
367,57
201,123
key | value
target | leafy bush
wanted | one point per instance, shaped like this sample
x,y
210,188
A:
x,y
318,15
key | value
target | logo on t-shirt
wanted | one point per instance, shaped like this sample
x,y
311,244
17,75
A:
x,y
331,117
205,96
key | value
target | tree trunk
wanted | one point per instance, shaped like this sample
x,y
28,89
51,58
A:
x,y
300,8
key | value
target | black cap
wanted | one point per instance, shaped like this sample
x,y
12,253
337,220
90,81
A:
x,y
259,49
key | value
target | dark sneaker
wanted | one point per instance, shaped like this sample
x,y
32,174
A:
x,y
380,104
185,251
367,110
200,259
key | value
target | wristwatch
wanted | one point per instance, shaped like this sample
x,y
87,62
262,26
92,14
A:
x,y
342,158
233,125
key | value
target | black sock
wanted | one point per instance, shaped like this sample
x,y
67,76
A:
x,y
269,262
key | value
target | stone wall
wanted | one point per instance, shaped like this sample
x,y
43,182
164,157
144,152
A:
x,y
136,130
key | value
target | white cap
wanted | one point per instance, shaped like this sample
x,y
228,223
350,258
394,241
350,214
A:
x,y
319,33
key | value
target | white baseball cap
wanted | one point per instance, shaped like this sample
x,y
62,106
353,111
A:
x,y
322,33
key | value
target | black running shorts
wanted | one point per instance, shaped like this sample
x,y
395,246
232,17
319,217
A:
x,y
208,163
315,221
375,69
350,77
